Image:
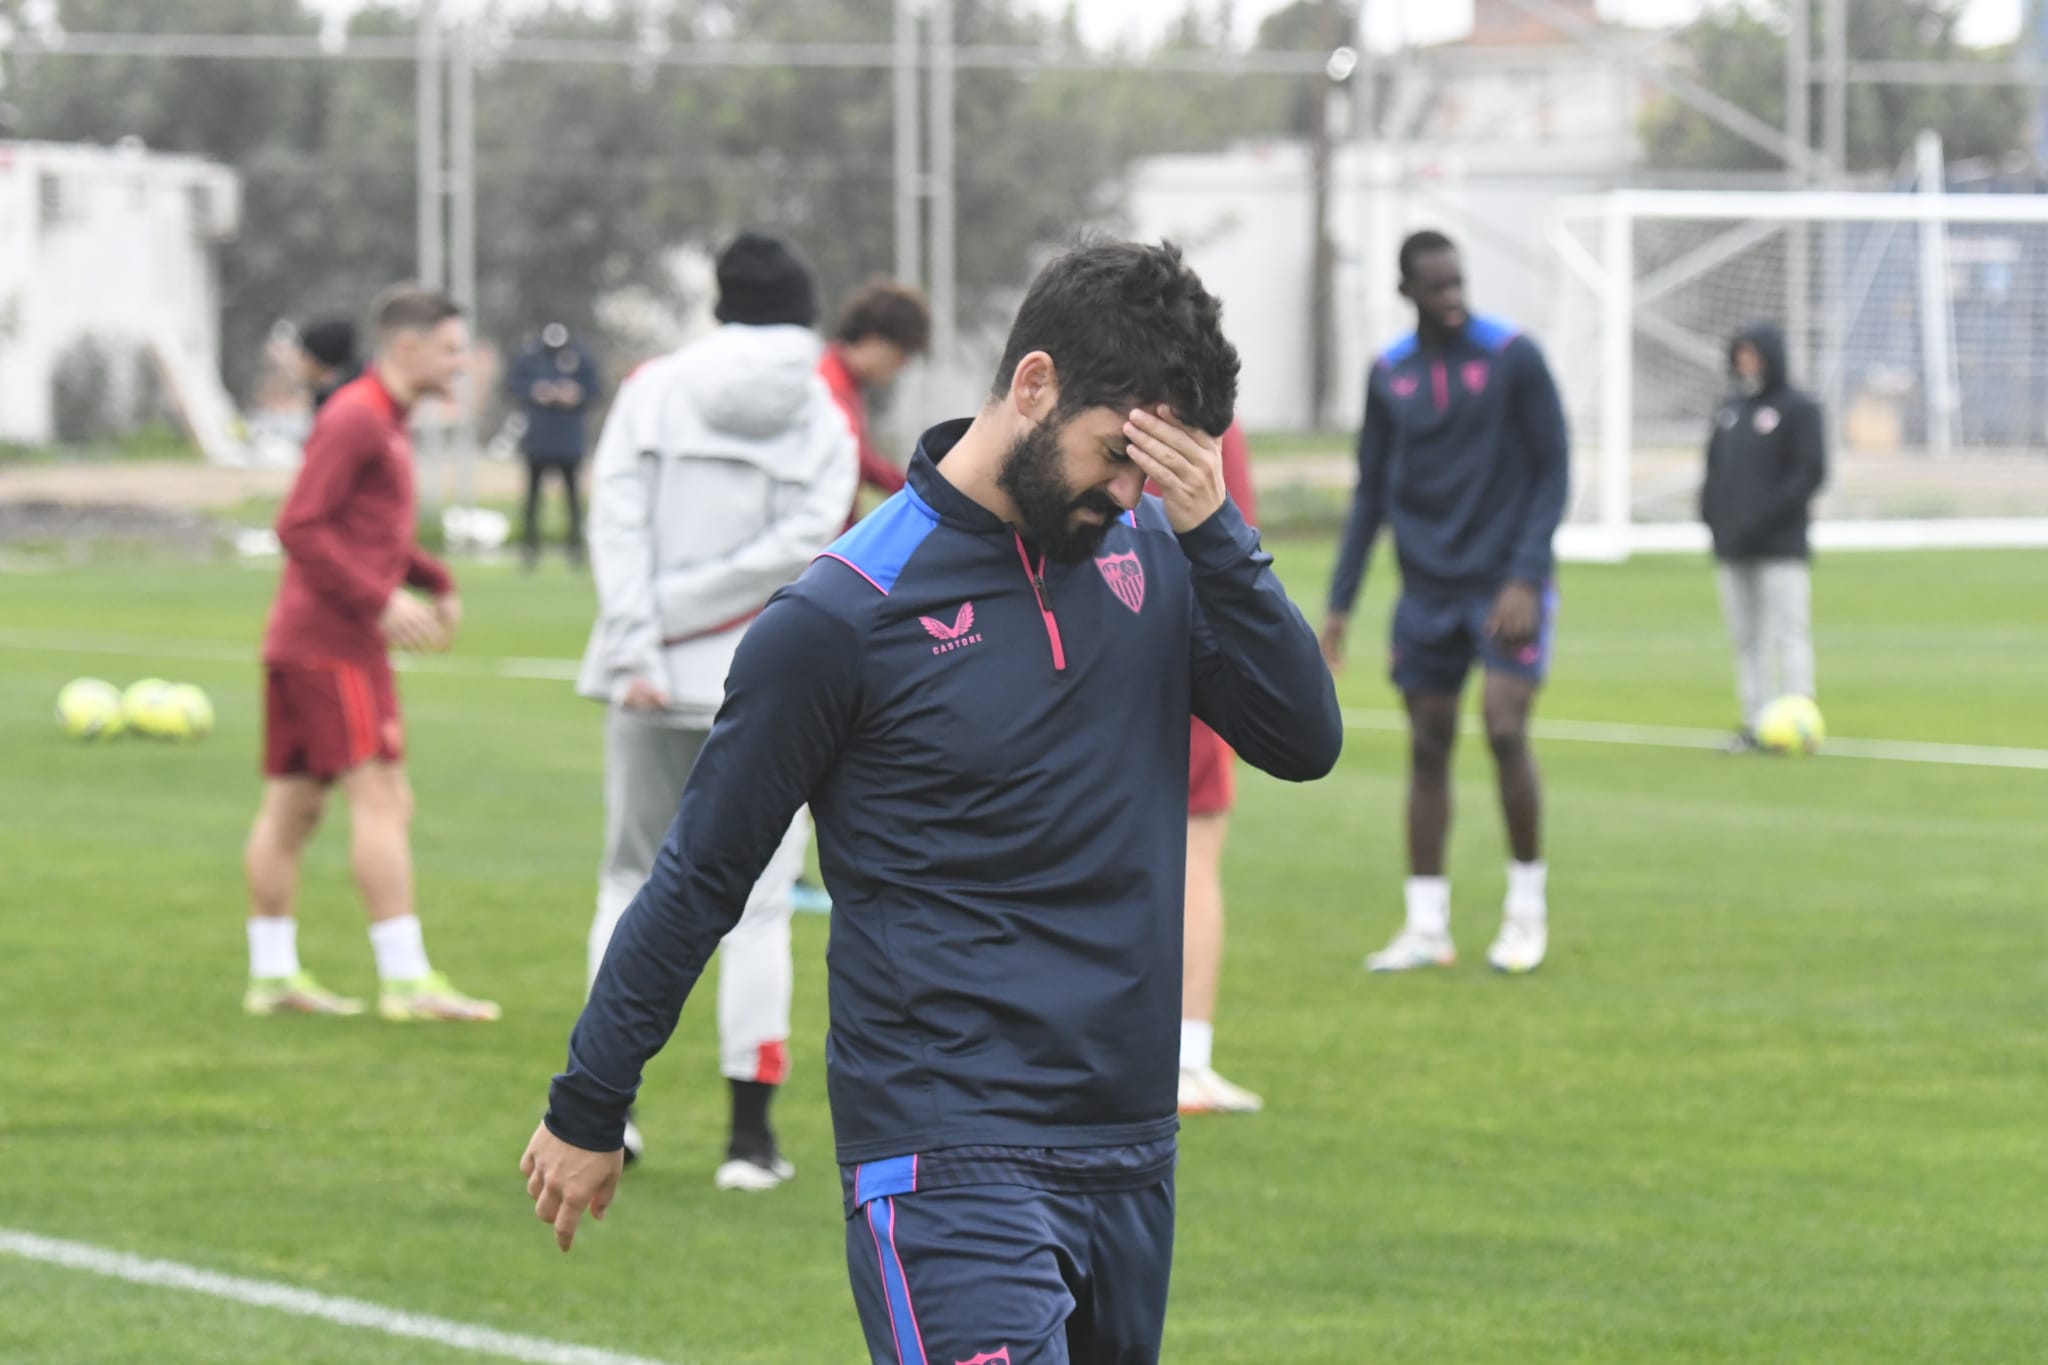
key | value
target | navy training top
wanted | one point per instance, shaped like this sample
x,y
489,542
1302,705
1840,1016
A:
x,y
1465,453
995,752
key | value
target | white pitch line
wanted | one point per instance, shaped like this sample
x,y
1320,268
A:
x,y
305,1303
1682,737
65,642
1583,731
142,646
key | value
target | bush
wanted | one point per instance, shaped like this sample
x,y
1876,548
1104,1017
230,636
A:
x,y
82,393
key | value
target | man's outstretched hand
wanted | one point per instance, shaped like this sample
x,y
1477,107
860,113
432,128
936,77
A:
x,y
563,1180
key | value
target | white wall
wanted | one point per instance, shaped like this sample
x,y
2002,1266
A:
x,y
125,253
1243,218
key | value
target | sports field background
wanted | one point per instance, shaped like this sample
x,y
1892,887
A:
x,y
1777,1095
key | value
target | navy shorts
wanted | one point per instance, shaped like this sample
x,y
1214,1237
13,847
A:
x,y
1438,637
1011,1275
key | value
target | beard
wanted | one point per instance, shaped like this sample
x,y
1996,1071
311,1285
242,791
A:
x,y
1046,503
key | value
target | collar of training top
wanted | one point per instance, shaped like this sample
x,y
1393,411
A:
x,y
394,410
954,507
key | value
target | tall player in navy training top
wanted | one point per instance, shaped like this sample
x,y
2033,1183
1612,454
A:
x,y
983,691
1464,453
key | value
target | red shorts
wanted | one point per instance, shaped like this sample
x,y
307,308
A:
x,y
324,719
1212,771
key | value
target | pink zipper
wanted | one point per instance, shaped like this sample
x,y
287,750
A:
x,y
1052,627
1443,385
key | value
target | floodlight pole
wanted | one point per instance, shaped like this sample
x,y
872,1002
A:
x,y
1937,344
1321,271
1617,370
1798,172
462,239
1834,377
431,264
908,148
944,226
2035,48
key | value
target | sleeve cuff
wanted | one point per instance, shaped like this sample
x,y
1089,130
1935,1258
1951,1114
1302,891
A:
x,y
1221,542
581,1123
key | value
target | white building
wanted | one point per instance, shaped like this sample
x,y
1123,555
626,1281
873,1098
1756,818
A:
x,y
118,245
1480,139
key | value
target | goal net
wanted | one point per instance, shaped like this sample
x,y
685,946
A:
x,y
1919,320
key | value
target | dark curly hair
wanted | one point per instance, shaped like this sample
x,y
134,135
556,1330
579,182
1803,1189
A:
x,y
883,308
1127,324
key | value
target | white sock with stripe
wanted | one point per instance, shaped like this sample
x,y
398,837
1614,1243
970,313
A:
x,y
273,947
1527,882
400,948
1429,905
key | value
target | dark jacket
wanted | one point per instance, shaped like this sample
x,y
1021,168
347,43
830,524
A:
x,y
553,433
344,375
1766,459
1466,455
995,750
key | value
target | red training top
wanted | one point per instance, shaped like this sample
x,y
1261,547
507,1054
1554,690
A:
x,y
1237,481
876,469
348,533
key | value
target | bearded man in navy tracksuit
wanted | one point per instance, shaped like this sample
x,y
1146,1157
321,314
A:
x,y
1464,453
983,692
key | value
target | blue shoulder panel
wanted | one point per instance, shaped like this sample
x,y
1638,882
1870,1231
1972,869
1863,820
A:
x,y
1400,350
1148,515
881,543
1494,334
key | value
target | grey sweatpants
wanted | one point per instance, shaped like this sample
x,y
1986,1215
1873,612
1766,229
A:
x,y
1769,607
646,763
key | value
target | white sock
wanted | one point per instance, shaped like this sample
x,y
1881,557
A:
x,y
1429,905
273,946
1197,1044
1526,897
401,951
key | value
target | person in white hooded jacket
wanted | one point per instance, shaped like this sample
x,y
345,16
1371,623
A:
x,y
722,470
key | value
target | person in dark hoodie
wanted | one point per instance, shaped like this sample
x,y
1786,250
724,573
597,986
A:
x,y
1766,459
327,358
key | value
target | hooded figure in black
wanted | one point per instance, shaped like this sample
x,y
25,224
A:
x,y
1766,460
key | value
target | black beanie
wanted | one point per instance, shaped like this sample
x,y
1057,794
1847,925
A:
x,y
763,282
331,341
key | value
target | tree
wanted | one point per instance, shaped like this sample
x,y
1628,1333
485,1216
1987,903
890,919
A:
x,y
589,176
1739,53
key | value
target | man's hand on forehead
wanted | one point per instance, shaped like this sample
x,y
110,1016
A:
x,y
1185,462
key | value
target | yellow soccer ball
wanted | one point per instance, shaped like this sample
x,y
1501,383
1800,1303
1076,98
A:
x,y
188,714
1791,725
89,709
144,707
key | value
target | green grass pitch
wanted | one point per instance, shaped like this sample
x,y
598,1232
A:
x,y
1777,1096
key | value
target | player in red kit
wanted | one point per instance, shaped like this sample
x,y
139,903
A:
x,y
1212,789
330,708
882,328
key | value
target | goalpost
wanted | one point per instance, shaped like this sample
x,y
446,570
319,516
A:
x,y
1920,320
